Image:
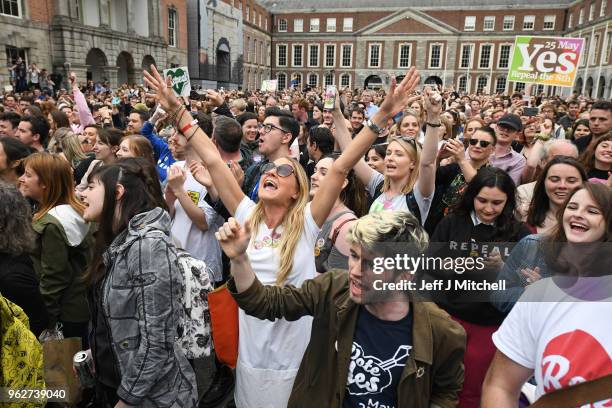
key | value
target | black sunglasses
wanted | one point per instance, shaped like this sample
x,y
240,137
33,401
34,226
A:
x,y
483,143
284,170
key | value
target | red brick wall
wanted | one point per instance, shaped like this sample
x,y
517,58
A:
x,y
181,9
40,10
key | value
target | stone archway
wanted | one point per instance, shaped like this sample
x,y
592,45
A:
x,y
601,89
578,86
224,63
373,82
147,61
96,62
433,80
588,89
125,68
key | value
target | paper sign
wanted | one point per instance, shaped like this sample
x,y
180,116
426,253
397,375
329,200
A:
x,y
180,80
269,85
545,60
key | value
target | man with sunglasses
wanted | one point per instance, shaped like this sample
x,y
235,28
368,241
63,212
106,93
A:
x,y
507,130
278,132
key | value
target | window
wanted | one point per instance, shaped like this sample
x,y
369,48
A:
x,y
297,55
504,56
347,55
485,56
466,55
331,25
549,22
435,56
581,17
583,56
539,89
347,24
329,79
10,8
313,55
12,53
594,53
602,8
470,23
298,25
281,55
330,55
482,83
314,25
248,49
345,80
500,84
254,15
248,13
608,47
296,82
462,84
282,25
259,24
266,24
528,23
489,23
592,11
519,86
508,23
570,21
313,80
255,51
403,60
282,81
374,56
172,27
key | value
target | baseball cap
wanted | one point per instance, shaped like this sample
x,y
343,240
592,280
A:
x,y
512,121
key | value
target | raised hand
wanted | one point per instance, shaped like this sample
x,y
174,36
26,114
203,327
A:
x,y
176,178
200,173
234,239
432,101
399,95
215,98
164,94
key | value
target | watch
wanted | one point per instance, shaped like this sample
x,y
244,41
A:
x,y
373,127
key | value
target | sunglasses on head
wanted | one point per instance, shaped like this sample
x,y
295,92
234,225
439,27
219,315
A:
x,y
284,170
407,139
483,143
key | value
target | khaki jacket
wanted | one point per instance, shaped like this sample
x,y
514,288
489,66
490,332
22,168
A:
x,y
433,373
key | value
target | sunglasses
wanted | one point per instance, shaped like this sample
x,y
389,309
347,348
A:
x,y
284,170
483,143
407,139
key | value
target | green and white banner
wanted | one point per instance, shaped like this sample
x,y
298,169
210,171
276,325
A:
x,y
180,80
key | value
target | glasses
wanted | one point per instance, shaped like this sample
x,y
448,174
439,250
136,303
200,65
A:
x,y
407,139
284,170
483,143
268,127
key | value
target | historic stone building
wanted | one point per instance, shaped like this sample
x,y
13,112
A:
x,y
97,39
464,43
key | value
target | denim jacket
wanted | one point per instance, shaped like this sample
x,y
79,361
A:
x,y
141,303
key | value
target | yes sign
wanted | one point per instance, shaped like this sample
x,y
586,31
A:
x,y
545,60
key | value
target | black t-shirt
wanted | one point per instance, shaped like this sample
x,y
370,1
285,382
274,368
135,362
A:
x,y
583,142
599,174
379,354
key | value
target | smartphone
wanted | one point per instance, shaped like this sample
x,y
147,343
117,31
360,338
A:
x,y
331,92
116,100
530,111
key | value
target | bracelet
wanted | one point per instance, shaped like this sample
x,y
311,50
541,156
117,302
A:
x,y
188,126
196,127
434,125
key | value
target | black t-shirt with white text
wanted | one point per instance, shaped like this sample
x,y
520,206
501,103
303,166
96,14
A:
x,y
378,356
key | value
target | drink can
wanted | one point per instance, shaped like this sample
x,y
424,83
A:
x,y
83,365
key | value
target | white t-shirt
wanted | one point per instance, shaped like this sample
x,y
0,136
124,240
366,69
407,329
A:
x,y
397,203
563,339
269,353
200,244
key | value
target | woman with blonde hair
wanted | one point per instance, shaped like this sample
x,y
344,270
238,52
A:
x,y
63,242
68,146
269,353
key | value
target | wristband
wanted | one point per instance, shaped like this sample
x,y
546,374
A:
x,y
373,127
188,126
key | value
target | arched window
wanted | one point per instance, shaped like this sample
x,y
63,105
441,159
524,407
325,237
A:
x,y
313,80
462,84
282,80
500,84
482,84
345,81
329,79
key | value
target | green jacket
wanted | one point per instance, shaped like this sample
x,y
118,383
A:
x,y
433,373
61,255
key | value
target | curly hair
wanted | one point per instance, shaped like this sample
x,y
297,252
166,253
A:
x,y
16,220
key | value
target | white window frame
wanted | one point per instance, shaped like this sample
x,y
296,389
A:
x,y
593,53
526,20
486,87
467,83
330,28
584,55
172,38
325,55
293,48
325,76
499,55
312,74
282,22
248,13
592,11
581,16
570,20
508,19
347,27
342,55
505,78
471,58
607,47
399,54
370,46
19,11
301,25
431,53
551,18
279,82
266,24
345,74
317,26
300,83
491,54
602,8
259,24
318,54
490,19
248,49
278,46
470,27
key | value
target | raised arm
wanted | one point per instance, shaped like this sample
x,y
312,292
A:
x,y
230,194
426,182
85,116
329,191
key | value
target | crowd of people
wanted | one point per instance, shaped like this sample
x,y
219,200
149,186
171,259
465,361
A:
x,y
287,202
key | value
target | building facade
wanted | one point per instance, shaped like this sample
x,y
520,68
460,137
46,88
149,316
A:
x,y
466,44
97,39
